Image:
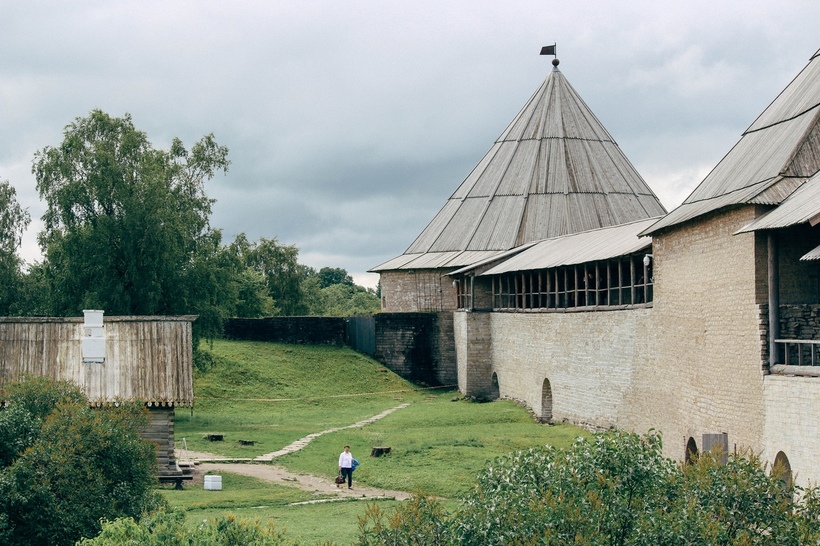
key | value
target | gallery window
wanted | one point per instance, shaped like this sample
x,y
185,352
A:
x,y
618,282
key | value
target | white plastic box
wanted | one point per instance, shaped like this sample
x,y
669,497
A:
x,y
213,483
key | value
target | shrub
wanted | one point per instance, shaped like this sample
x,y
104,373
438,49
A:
x,y
168,529
611,489
70,465
421,521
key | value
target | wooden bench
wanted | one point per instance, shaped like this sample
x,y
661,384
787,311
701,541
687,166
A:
x,y
175,479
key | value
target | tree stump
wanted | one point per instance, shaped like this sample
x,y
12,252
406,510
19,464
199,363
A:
x,y
379,451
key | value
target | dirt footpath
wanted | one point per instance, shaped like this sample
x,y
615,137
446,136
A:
x,y
263,468
277,474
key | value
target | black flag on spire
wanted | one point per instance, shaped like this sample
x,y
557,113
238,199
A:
x,y
548,50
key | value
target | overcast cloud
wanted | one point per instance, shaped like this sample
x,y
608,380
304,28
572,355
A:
x,y
350,123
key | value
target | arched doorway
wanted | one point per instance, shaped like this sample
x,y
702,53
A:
x,y
691,451
546,402
782,469
495,391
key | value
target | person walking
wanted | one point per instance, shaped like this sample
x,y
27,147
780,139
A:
x,y
346,466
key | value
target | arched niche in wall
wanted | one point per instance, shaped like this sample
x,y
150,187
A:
x,y
495,390
546,402
691,451
782,469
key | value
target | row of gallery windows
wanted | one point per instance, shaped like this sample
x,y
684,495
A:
x,y
623,281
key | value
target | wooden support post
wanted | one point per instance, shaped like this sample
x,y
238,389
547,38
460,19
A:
x,y
774,298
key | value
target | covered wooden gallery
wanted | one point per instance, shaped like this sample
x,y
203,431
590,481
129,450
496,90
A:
x,y
143,358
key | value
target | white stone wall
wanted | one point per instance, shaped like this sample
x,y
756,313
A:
x,y
792,414
708,371
589,359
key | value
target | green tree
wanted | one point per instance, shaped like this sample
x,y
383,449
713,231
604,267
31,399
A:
x,y
66,465
126,225
33,293
328,276
283,273
343,300
13,222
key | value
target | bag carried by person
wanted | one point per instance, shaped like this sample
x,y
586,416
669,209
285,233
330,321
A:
x,y
340,479
354,465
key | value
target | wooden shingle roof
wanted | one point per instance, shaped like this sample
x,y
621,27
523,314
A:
x,y
555,170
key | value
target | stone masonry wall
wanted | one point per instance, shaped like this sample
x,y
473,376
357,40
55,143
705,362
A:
x,y
587,358
422,290
707,372
416,346
474,353
800,321
298,330
792,409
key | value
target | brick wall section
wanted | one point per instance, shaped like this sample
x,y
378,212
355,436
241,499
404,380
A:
x,y
588,358
792,407
474,354
707,375
297,330
445,371
421,290
410,344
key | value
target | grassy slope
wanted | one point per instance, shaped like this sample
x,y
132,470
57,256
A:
x,y
274,394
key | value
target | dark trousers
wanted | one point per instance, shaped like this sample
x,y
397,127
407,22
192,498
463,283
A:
x,y
348,473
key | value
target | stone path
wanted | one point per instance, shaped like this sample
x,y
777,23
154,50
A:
x,y
262,467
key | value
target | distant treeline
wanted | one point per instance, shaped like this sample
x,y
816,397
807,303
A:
x,y
127,230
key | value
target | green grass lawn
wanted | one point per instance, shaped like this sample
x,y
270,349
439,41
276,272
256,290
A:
x,y
274,394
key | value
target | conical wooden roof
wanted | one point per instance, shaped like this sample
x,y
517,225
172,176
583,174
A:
x,y
555,170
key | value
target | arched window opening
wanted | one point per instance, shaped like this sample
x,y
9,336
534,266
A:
x,y
782,469
691,451
546,402
495,391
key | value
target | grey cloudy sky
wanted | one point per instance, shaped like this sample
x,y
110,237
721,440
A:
x,y
350,123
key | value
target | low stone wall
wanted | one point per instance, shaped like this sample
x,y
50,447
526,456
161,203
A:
x,y
417,346
296,330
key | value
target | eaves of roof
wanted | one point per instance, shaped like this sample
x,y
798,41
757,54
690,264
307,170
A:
x,y
783,143
589,246
802,206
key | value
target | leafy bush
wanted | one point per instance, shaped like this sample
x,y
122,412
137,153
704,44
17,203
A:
x,y
168,529
611,489
421,521
66,465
